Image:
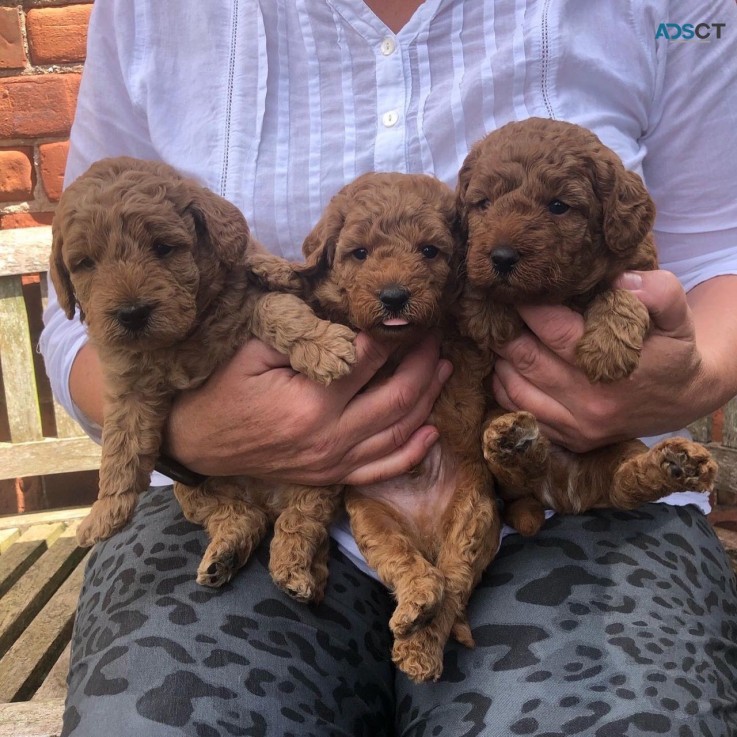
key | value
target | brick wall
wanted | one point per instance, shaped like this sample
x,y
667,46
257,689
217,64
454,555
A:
x,y
42,48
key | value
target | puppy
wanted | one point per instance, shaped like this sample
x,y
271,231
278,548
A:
x,y
385,258
159,268
552,216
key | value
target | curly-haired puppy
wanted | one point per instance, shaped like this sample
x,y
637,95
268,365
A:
x,y
552,216
159,268
385,259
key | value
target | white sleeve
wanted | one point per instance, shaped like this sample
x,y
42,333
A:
x,y
689,164
108,122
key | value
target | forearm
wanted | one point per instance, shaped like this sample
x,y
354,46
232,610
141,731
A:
x,y
86,384
714,307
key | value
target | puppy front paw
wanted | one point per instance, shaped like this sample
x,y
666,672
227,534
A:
x,y
603,358
299,583
327,356
512,442
275,273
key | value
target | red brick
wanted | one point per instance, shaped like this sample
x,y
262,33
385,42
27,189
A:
x,y
53,162
41,105
25,219
58,35
12,53
16,175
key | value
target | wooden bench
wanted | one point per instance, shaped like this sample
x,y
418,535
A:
x,y
40,565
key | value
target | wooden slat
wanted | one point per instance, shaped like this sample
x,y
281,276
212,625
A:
x,y
47,456
26,664
29,594
55,683
43,518
66,427
8,537
24,552
31,719
25,250
730,424
727,475
16,358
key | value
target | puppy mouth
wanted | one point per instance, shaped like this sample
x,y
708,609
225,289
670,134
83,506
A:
x,y
395,322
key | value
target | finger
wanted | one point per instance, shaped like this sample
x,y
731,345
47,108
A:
x,y
371,355
400,404
538,364
501,396
399,461
665,299
557,327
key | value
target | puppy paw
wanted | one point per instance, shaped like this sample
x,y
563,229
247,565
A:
x,y
275,273
526,515
461,632
219,563
688,466
108,515
419,657
513,440
298,583
326,357
418,602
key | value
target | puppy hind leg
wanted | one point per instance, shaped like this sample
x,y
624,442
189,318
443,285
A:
x,y
470,542
235,524
388,546
673,465
298,557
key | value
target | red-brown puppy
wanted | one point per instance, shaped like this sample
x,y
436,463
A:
x,y
553,217
159,268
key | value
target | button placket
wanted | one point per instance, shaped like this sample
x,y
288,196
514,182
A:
x,y
391,96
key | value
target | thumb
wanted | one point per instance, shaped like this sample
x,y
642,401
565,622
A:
x,y
665,299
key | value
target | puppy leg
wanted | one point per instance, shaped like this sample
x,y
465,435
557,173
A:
x,y
318,348
382,536
472,526
130,445
235,523
675,464
299,548
518,456
616,326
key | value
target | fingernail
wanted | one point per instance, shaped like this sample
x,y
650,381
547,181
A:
x,y
444,371
431,439
629,280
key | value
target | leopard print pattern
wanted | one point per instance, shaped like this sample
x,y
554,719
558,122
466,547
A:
x,y
610,624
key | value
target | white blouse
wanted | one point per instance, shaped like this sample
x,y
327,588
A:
x,y
276,104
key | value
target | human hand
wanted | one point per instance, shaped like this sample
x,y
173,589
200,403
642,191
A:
x,y
537,372
256,416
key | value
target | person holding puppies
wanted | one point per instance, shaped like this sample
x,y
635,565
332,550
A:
x,y
604,623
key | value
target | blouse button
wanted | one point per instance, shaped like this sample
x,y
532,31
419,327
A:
x,y
389,119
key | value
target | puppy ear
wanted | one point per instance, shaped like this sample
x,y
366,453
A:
x,y
629,211
321,242
60,274
464,179
220,224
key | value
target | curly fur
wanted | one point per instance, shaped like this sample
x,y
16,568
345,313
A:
x,y
386,259
159,269
552,216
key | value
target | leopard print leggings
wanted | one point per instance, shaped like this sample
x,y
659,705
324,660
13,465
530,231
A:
x,y
611,624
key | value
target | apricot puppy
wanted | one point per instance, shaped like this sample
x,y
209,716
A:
x,y
385,258
159,269
553,217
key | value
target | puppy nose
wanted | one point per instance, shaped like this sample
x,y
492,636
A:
x,y
134,317
504,258
394,297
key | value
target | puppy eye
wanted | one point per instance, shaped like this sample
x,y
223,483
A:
x,y
360,254
84,264
558,208
162,249
429,251
482,204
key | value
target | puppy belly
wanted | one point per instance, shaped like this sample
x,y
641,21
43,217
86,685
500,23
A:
x,y
422,495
